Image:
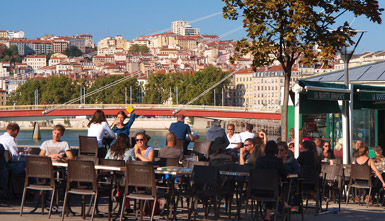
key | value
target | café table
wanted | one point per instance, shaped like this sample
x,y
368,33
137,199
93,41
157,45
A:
x,y
97,167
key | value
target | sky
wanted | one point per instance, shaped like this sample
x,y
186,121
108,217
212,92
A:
x,y
129,18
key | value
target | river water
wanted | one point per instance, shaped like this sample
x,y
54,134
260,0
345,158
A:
x,y
72,137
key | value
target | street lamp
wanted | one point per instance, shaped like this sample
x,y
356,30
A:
x,y
346,55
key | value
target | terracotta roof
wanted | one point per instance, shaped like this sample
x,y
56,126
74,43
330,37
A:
x,y
36,56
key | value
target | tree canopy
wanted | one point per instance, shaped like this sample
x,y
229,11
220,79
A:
x,y
115,94
73,51
9,54
188,85
292,29
135,48
56,90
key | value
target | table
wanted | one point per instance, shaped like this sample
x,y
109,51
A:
x,y
98,167
172,170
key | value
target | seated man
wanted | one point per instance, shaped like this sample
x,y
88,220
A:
x,y
15,165
171,151
56,148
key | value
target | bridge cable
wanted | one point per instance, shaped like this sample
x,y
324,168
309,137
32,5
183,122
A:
x,y
93,92
207,90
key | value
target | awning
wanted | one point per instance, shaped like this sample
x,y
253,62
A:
x,y
322,97
366,96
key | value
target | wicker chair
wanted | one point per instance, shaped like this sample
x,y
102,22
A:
x,y
263,190
81,172
142,178
39,167
88,146
360,178
202,147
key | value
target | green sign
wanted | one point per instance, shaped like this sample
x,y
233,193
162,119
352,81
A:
x,y
366,96
327,96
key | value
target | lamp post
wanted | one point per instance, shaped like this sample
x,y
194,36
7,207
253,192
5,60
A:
x,y
347,105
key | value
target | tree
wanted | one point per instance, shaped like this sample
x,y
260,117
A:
x,y
53,89
10,54
114,94
73,51
135,48
189,86
292,29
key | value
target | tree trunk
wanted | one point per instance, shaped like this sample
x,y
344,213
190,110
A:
x,y
285,107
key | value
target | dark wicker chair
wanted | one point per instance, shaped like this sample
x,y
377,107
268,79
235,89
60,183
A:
x,y
179,144
332,184
39,167
263,190
202,147
81,172
205,186
142,178
360,178
88,146
310,185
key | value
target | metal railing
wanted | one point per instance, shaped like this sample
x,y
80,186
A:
x,y
139,106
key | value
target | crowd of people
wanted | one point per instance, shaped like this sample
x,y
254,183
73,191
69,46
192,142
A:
x,y
227,148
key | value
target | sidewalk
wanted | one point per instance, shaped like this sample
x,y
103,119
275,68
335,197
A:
x,y
350,212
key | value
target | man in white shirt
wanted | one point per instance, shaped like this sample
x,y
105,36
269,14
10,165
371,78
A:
x,y
248,133
9,142
15,165
56,148
234,138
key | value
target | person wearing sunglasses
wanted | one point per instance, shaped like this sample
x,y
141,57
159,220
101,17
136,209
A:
x,y
327,153
250,151
290,163
142,151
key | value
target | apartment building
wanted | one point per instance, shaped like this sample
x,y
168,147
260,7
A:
x,y
60,44
36,61
260,89
41,46
181,27
3,97
79,43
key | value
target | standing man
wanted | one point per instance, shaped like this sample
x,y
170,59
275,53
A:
x,y
248,133
180,129
318,144
234,138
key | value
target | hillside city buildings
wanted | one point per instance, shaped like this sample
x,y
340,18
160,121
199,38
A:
x,y
184,49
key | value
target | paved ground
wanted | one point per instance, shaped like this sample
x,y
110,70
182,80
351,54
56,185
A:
x,y
351,212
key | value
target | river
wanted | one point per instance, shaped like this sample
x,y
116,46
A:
x,y
72,137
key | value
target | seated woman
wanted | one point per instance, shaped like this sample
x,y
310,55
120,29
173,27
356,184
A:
x,y
142,151
290,163
363,159
308,156
97,127
119,126
120,149
379,158
327,153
